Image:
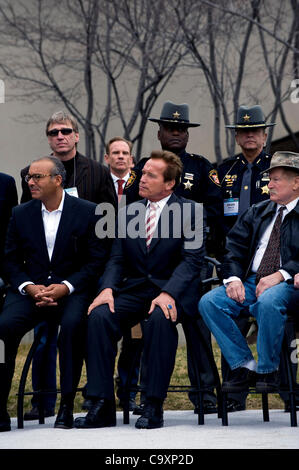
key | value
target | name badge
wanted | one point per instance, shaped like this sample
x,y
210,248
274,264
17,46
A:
x,y
231,206
72,191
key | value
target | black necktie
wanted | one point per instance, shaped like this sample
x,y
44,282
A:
x,y
271,260
244,202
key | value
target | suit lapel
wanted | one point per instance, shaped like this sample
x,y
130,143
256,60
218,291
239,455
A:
x,y
37,228
157,234
65,225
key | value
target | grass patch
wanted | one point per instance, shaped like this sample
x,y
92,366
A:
x,y
174,401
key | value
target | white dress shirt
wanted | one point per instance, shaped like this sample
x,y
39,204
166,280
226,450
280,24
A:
x,y
160,207
262,245
51,221
116,178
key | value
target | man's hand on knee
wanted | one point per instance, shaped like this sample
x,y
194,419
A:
x,y
235,290
167,305
268,281
104,297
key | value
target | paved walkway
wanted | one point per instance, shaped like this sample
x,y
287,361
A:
x,y
246,430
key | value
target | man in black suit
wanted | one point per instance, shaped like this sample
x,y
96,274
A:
x,y
152,274
87,179
52,260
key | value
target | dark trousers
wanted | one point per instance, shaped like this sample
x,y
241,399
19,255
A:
x,y
243,324
105,329
44,365
200,358
130,353
20,315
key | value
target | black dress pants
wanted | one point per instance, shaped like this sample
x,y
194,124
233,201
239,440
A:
x,y
20,315
105,329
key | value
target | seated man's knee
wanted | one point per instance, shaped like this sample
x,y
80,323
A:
x,y
99,314
157,317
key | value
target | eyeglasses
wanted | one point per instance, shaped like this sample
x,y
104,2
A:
x,y
36,177
64,131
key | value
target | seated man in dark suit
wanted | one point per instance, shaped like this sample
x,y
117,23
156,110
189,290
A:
x,y
53,259
152,274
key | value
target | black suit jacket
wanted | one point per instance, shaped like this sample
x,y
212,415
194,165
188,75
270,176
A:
x,y
8,199
78,255
92,180
170,265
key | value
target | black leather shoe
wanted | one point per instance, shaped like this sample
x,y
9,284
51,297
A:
x,y
132,404
234,405
4,422
102,414
209,407
33,414
87,404
240,380
139,409
64,418
152,416
268,382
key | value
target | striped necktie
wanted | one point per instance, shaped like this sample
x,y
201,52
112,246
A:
x,y
150,223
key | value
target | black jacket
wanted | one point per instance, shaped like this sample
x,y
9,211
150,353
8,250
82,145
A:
x,y
92,180
243,239
230,174
171,264
79,256
199,183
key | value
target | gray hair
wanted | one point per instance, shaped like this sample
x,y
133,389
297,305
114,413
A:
x,y
62,117
58,167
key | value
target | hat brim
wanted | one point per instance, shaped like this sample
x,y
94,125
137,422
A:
x,y
250,126
280,166
172,121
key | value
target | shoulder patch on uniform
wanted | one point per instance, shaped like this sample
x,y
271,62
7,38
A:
x,y
213,175
131,179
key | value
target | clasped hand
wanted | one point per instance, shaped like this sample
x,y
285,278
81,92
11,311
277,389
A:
x,y
47,296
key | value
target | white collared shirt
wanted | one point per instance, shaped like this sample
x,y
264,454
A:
x,y
116,178
264,242
51,220
160,207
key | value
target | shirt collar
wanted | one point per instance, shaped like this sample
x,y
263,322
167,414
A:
x,y
290,206
160,203
116,178
59,208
